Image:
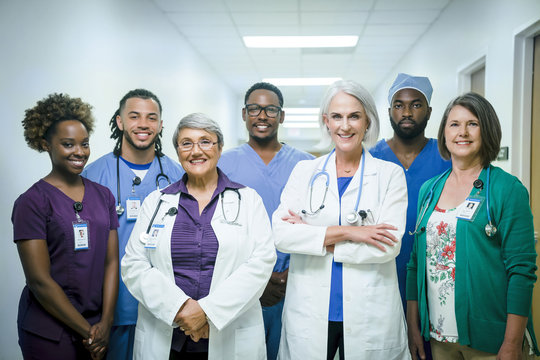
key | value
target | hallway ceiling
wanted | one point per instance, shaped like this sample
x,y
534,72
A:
x,y
387,30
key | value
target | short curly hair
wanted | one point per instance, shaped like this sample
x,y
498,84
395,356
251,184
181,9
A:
x,y
40,121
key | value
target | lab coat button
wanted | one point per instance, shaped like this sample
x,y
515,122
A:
x,y
348,331
347,298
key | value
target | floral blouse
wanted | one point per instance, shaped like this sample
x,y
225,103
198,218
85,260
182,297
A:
x,y
441,271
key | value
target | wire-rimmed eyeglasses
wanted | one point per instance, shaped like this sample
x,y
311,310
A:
x,y
203,145
254,110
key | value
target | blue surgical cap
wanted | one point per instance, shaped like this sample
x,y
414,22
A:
x,y
406,81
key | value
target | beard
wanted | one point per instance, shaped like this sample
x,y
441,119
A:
x,y
139,147
409,133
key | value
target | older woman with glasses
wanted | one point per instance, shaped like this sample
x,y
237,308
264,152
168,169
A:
x,y
199,258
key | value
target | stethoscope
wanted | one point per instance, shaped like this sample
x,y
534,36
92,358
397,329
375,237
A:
x,y
352,217
173,211
490,229
136,181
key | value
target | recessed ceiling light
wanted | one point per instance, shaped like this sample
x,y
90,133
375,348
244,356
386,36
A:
x,y
301,111
301,118
303,125
301,81
300,41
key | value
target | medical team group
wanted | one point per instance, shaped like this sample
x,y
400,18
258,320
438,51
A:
x,y
399,248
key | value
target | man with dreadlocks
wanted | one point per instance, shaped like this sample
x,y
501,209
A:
x,y
132,171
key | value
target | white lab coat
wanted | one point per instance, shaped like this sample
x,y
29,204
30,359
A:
x,y
373,321
244,263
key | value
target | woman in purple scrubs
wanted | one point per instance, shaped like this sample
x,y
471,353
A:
x,y
65,230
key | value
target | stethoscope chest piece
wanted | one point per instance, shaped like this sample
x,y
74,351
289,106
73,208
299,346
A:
x,y
352,217
144,237
491,230
119,210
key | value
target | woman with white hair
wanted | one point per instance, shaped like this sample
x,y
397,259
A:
x,y
341,218
199,258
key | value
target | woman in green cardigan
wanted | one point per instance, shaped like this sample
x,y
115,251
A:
x,y
472,269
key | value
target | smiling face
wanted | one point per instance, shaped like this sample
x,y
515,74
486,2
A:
x,y
196,162
462,135
140,121
262,128
347,123
409,113
68,147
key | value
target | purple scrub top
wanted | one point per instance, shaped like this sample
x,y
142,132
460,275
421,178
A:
x,y
45,212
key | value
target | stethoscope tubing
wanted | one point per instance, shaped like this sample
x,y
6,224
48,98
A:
x,y
426,204
119,207
325,173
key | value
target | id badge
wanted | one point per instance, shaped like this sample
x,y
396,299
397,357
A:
x,y
80,234
133,205
151,243
469,208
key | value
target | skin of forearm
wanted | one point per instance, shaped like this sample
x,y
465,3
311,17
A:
x,y
110,280
334,235
515,329
51,296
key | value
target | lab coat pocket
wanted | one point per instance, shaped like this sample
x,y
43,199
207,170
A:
x,y
382,307
249,343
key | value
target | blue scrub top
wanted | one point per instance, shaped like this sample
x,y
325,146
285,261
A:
x,y
335,312
243,165
103,171
427,164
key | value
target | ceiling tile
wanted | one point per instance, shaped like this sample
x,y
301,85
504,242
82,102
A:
x,y
410,4
266,18
200,18
194,31
333,18
262,5
267,30
403,17
330,30
343,5
392,30
190,5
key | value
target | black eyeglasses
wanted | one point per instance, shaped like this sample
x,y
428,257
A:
x,y
203,145
254,110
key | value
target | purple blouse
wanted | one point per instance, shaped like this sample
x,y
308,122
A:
x,y
45,212
194,247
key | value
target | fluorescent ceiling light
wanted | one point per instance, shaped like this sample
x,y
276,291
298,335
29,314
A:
x,y
301,81
300,41
301,111
301,118
304,125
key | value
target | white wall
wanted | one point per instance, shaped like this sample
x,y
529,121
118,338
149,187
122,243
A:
x,y
97,50
466,31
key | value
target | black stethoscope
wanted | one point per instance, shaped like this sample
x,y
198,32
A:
x,y
173,211
136,181
352,217
239,200
490,229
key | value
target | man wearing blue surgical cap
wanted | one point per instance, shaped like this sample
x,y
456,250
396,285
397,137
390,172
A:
x,y
409,112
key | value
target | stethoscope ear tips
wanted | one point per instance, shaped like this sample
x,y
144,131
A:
x,y
304,212
422,229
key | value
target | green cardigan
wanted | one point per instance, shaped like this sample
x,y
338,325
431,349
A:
x,y
495,275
